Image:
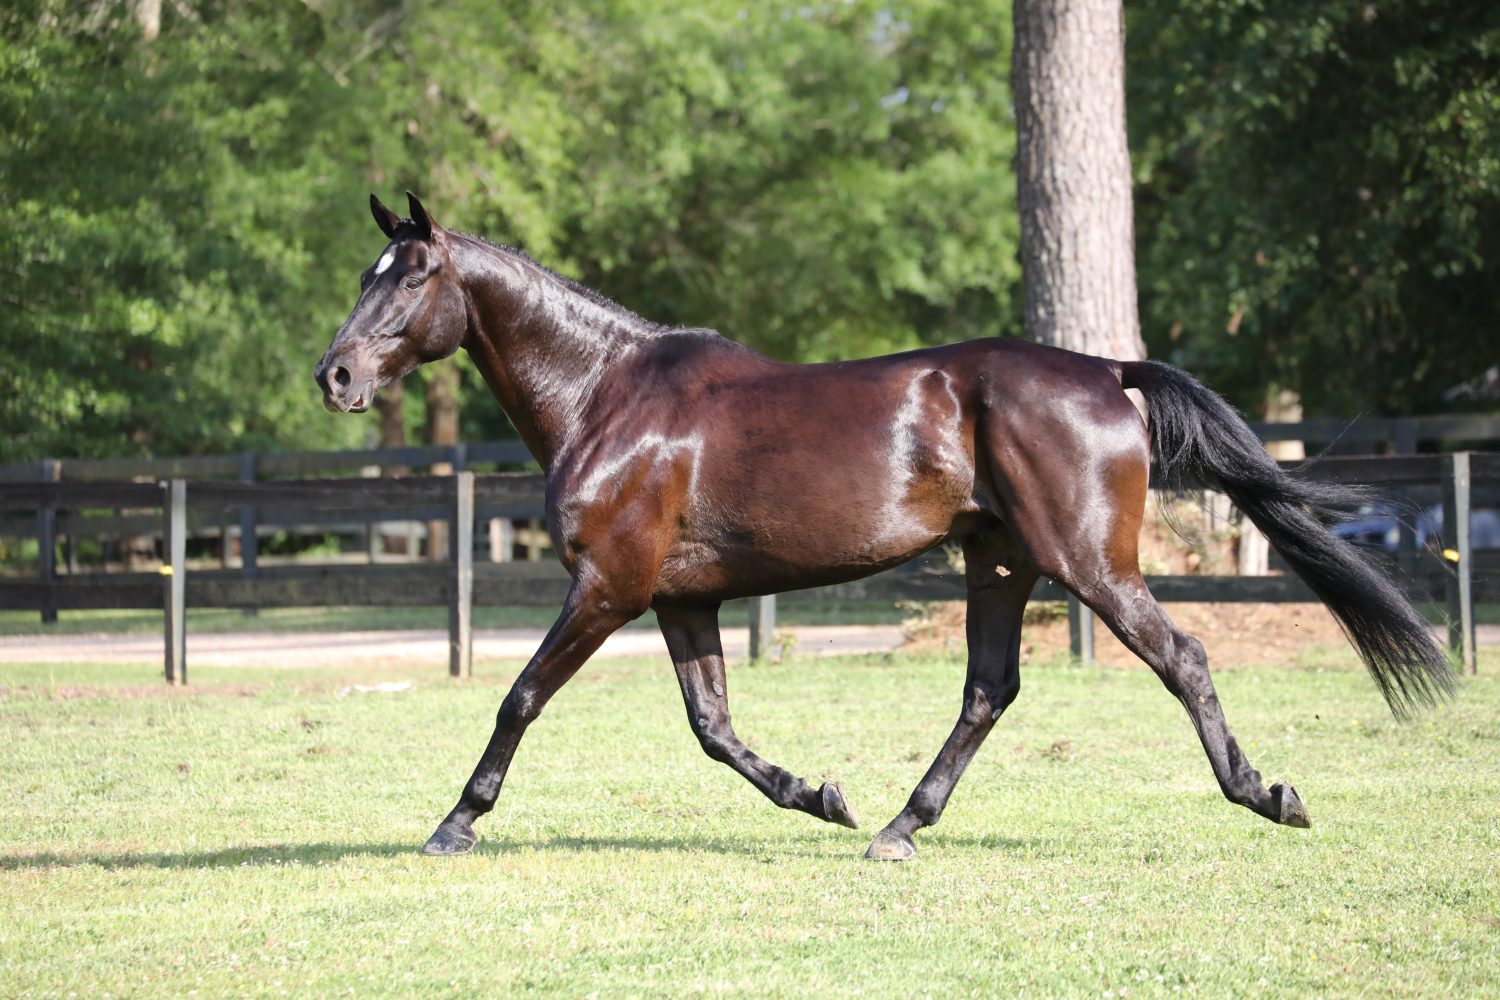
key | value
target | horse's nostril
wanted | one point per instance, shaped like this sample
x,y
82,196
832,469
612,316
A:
x,y
340,376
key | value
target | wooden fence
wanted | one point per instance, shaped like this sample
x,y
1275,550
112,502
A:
x,y
1392,435
1365,435
176,507
250,466
1396,435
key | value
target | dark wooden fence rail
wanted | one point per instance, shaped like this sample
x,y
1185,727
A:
x,y
271,465
179,505
1400,435
1462,480
246,467
1397,435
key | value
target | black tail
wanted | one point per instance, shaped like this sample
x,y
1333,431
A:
x,y
1196,435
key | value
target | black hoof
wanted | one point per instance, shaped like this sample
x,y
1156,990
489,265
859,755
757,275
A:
x,y
1289,808
890,846
835,808
450,838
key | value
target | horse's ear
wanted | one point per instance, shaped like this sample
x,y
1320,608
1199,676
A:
x,y
419,217
384,217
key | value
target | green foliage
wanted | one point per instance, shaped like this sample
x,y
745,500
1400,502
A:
x,y
817,182
187,215
1318,196
171,231
1318,190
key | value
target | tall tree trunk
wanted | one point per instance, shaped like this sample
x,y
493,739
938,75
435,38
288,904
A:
x,y
1282,406
148,16
392,426
1073,176
442,428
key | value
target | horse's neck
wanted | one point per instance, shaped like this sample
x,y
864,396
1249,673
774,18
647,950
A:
x,y
542,345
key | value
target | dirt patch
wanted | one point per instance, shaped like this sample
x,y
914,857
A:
x,y
1234,634
1182,536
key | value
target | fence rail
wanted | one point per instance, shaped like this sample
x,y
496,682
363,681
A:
x,y
1400,435
250,466
464,498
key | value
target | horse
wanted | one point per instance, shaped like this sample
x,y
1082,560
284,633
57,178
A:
x,y
683,470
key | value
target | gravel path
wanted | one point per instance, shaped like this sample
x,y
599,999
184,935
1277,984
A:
x,y
309,649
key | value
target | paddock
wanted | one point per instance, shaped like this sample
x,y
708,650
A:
x,y
189,842
162,840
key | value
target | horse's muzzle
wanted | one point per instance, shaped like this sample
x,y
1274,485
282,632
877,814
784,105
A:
x,y
340,394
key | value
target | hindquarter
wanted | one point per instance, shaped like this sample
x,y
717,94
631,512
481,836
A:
x,y
1066,456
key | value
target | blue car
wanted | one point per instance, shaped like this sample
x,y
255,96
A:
x,y
1378,526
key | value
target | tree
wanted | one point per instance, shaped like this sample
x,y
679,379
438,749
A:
x,y
185,216
818,182
1073,177
1319,196
171,228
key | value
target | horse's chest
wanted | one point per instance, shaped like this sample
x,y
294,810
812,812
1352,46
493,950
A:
x,y
618,505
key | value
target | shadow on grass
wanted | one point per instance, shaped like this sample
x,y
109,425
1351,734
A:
x,y
294,855
229,857
303,854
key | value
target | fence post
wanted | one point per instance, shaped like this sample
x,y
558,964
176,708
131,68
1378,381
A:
x,y
1460,585
762,625
1080,630
1405,440
226,537
461,598
249,546
372,542
459,460
372,527
174,585
48,471
501,539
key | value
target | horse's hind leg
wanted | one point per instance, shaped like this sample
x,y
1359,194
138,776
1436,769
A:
x,y
1130,611
692,635
1090,547
999,580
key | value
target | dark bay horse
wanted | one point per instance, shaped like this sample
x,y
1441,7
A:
x,y
684,470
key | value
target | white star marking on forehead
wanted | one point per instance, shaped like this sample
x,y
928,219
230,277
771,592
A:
x,y
385,262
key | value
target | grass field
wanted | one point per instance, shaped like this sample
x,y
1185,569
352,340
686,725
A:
x,y
257,834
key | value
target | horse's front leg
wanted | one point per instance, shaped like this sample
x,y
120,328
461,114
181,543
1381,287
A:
x,y
590,614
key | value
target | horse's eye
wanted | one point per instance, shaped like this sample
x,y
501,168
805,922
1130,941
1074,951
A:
x,y
413,283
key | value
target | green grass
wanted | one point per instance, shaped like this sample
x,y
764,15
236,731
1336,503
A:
x,y
257,834
789,611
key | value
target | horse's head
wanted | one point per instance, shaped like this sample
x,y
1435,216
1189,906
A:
x,y
411,310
